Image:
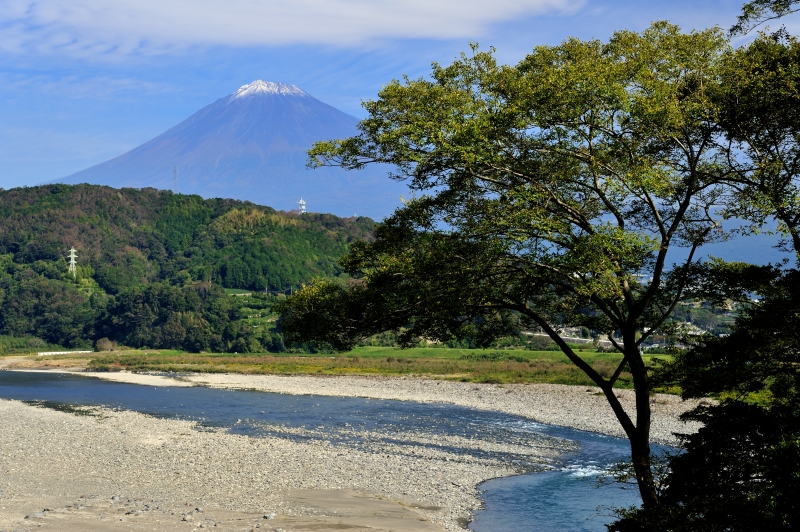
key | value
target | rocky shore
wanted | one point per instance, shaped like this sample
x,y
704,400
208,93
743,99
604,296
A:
x,y
109,470
161,470
578,407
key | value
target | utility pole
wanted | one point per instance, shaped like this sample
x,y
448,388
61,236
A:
x,y
73,263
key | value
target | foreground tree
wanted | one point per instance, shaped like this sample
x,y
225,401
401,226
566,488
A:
x,y
741,471
557,192
759,113
758,12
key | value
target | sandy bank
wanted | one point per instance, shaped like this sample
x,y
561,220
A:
x,y
122,376
124,470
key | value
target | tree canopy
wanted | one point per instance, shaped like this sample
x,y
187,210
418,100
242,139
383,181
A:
x,y
741,470
573,188
759,113
758,12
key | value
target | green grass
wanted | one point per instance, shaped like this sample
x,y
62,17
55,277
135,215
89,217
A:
x,y
10,345
469,365
235,291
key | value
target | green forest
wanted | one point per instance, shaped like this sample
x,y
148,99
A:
x,y
152,266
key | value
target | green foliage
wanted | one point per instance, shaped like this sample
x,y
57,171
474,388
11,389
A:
x,y
195,318
53,310
129,237
741,470
759,103
739,473
327,313
757,12
493,356
13,344
552,194
383,339
762,353
149,263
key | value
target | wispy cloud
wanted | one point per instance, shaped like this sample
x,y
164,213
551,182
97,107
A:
x,y
118,89
98,27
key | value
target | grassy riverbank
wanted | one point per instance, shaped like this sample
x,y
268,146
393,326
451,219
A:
x,y
467,365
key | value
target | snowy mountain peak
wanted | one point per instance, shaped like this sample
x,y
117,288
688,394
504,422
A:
x,y
267,87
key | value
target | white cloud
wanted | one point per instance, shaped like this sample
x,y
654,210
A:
x,y
98,88
96,27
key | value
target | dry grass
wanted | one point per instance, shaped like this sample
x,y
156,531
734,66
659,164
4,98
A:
x,y
542,368
477,365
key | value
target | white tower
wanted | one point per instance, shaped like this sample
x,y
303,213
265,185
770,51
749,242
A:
x,y
73,264
301,206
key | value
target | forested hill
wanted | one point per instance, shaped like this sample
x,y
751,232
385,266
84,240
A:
x,y
152,266
129,237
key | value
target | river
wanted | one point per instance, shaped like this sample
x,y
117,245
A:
x,y
561,495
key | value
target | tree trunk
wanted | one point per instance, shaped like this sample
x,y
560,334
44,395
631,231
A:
x,y
638,432
640,455
640,436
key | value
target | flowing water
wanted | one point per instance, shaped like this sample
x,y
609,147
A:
x,y
561,495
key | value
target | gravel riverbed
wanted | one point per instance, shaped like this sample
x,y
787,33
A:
x,y
50,459
578,407
124,470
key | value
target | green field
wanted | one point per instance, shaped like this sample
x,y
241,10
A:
x,y
469,365
237,291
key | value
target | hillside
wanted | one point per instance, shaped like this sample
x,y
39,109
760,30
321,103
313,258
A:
x,y
129,236
152,264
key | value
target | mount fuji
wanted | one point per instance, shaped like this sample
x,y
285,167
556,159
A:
x,y
251,145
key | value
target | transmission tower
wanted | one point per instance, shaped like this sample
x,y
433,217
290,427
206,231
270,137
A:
x,y
175,179
301,206
73,263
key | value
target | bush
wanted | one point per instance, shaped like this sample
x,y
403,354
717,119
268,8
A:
x,y
104,344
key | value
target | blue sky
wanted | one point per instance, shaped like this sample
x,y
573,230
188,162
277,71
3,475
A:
x,y
82,81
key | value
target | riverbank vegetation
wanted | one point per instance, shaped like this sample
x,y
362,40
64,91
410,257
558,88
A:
x,y
468,365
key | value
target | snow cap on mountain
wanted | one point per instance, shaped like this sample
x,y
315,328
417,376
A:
x,y
267,87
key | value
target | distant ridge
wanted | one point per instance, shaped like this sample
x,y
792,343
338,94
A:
x,y
251,145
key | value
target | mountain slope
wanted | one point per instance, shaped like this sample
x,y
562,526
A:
x,y
130,237
251,145
151,267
